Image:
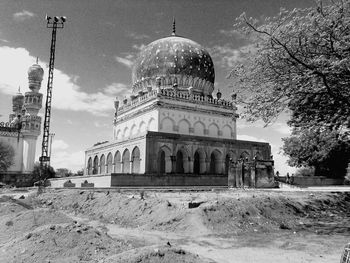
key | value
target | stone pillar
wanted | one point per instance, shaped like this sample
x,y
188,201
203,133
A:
x,y
207,165
252,174
202,166
190,165
113,168
121,167
232,170
168,165
239,175
130,167
173,163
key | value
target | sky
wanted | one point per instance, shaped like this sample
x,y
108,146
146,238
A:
x,y
95,52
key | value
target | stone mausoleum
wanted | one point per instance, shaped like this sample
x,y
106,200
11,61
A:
x,y
23,129
175,128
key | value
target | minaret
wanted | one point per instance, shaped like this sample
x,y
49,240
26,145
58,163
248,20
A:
x,y
17,105
31,127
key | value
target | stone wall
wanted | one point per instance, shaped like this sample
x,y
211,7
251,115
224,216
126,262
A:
x,y
168,180
17,179
315,181
81,181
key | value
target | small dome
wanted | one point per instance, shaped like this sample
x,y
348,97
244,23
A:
x,y
175,59
17,101
35,76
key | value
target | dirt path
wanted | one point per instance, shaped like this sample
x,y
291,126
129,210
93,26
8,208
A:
x,y
262,248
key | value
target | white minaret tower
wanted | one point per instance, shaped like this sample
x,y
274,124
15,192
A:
x,y
32,126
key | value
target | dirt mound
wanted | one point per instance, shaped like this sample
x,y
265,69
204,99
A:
x,y
72,242
157,255
228,213
21,220
320,213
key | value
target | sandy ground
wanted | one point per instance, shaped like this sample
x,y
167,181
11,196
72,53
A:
x,y
213,226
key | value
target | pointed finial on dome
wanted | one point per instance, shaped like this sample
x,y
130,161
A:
x,y
19,89
174,27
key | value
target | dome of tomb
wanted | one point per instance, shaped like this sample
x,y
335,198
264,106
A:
x,y
177,60
17,101
35,76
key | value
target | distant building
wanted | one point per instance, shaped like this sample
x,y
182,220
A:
x,y
172,123
24,125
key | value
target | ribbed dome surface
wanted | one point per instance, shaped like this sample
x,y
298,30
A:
x,y
173,55
36,72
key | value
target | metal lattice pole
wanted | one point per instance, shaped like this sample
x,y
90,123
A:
x,y
54,23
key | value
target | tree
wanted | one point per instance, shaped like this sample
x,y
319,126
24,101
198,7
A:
x,y
63,172
301,63
7,154
47,172
325,149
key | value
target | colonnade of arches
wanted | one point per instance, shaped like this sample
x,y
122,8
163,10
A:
x,y
200,162
124,162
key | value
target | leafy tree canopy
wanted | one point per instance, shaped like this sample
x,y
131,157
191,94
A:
x,y
300,62
47,172
7,154
326,150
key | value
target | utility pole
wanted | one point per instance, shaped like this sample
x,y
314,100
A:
x,y
54,23
51,135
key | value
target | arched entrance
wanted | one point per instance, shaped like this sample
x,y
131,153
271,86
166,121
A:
x,y
161,162
95,168
180,162
164,164
135,160
126,161
196,163
89,166
215,162
109,163
117,163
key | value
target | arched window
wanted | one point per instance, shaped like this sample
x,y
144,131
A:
x,y
198,128
199,162
245,155
126,161
95,169
258,156
161,162
179,162
196,163
109,163
215,162
117,163
135,160
102,164
89,166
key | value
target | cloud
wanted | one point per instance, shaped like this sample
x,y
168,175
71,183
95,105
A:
x,y
232,33
226,56
117,89
59,145
67,95
73,161
137,36
128,58
282,128
23,15
125,61
244,137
